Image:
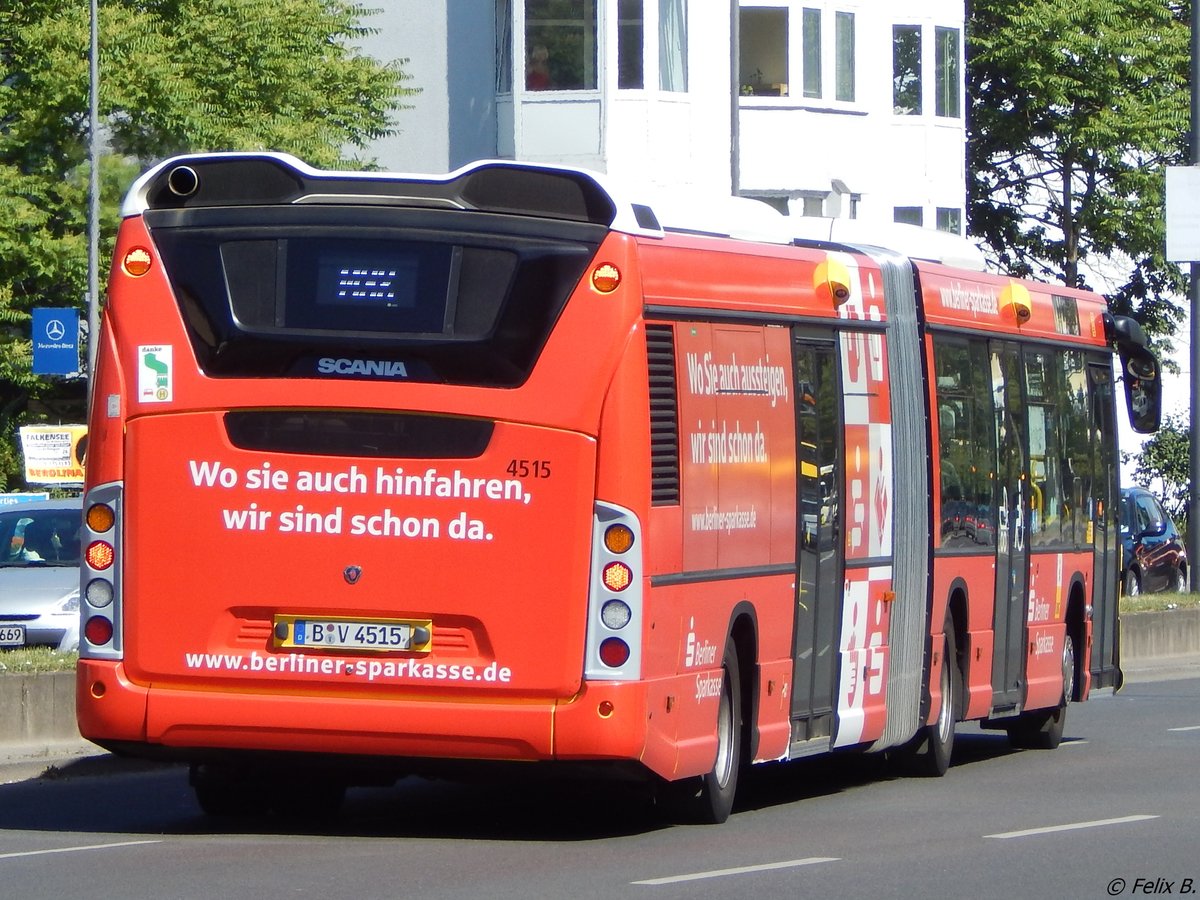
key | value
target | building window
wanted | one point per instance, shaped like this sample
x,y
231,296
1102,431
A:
x,y
813,205
946,75
560,45
629,44
909,215
843,56
811,28
672,45
906,69
504,47
949,219
762,51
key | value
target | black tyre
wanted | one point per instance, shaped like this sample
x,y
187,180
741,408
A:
x,y
1043,730
708,799
319,799
229,791
1133,583
1179,582
929,753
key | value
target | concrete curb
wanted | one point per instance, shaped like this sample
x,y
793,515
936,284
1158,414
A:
x,y
38,711
1152,635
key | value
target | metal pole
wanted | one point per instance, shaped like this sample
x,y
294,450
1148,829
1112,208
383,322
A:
x,y
1194,297
735,103
93,298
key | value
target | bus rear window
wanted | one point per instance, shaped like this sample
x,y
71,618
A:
x,y
275,298
389,287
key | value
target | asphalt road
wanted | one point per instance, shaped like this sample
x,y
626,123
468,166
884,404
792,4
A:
x,y
1115,811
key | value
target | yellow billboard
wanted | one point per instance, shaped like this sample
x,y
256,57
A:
x,y
54,454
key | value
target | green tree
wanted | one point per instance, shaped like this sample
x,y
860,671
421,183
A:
x,y
1163,464
1075,107
176,75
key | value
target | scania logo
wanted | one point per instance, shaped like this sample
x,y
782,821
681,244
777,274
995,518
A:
x,y
381,368
352,574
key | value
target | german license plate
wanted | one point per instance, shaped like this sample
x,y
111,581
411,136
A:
x,y
12,635
337,633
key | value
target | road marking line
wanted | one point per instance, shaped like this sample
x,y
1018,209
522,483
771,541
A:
x,y
1186,728
740,870
1073,826
74,849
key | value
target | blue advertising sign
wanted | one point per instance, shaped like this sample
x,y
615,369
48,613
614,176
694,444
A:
x,y
55,341
13,499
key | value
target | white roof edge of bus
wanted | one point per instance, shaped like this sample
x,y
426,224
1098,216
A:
x,y
912,241
693,210
688,210
135,198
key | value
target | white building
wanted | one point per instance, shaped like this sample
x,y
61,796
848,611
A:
x,y
847,109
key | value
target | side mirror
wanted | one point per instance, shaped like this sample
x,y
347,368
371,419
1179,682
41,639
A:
x,y
1154,529
1143,388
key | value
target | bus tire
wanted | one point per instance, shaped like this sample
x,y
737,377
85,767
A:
x,y
708,799
320,798
1043,729
929,754
227,791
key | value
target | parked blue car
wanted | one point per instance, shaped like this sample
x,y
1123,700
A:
x,y
1153,557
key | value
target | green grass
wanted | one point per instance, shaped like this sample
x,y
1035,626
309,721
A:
x,y
1156,602
34,660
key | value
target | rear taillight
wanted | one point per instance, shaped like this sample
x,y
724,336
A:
x,y
98,630
100,575
614,637
617,576
100,555
614,652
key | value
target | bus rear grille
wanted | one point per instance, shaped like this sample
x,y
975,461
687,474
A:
x,y
369,434
664,416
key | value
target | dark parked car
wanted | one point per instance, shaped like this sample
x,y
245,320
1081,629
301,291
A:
x,y
1153,557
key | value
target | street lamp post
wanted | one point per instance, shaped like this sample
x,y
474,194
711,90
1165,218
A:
x,y
93,297
1194,314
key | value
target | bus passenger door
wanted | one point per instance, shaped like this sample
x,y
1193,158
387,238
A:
x,y
1012,511
1106,538
820,478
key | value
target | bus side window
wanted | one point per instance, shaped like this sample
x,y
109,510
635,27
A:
x,y
966,443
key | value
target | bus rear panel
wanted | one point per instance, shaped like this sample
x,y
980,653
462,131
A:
x,y
348,518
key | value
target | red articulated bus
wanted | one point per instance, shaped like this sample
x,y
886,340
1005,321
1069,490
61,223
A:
x,y
391,471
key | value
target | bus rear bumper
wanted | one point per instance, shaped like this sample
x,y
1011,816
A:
x,y
604,722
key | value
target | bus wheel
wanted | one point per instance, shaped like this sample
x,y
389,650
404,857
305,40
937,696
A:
x,y
315,798
229,791
708,799
1043,730
929,754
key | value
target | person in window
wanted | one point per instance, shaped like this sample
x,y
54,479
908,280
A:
x,y
537,77
37,546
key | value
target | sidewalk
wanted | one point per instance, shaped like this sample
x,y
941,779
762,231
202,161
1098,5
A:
x,y
1162,668
79,757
